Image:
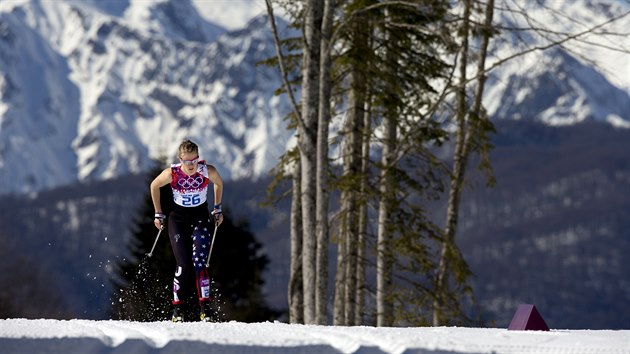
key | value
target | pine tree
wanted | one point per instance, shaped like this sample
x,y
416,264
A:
x,y
381,66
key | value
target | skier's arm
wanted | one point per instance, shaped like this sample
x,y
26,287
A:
x,y
161,180
216,179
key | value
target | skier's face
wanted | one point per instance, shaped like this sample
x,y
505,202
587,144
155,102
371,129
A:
x,y
189,161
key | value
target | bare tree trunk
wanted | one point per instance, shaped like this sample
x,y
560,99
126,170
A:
x,y
307,141
467,122
347,258
295,288
296,294
359,301
363,220
340,279
351,265
345,284
384,267
387,195
321,298
352,167
458,165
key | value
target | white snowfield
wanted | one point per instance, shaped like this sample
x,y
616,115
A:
x,y
89,336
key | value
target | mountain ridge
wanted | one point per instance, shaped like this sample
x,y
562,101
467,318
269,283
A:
x,y
126,97
86,93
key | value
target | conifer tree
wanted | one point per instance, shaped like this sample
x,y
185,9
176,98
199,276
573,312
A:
x,y
389,70
398,62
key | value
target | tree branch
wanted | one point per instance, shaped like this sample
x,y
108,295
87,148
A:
x,y
283,71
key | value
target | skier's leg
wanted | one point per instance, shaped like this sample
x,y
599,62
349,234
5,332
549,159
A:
x,y
180,246
201,247
205,299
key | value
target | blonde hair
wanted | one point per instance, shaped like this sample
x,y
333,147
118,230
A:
x,y
187,146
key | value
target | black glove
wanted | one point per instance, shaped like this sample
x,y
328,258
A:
x,y
161,217
216,212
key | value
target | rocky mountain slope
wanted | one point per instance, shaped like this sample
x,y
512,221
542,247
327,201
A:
x,y
92,90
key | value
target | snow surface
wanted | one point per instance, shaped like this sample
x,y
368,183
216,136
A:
x,y
231,14
87,336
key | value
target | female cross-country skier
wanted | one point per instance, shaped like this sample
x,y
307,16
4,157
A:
x,y
189,223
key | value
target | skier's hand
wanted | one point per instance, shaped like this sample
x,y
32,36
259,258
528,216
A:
x,y
159,220
217,213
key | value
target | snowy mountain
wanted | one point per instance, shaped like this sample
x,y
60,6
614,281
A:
x,y
93,90
561,92
90,90
88,95
586,79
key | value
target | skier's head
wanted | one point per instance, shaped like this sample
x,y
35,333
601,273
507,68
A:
x,y
189,155
186,147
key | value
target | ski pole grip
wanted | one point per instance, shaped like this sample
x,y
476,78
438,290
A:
x,y
160,217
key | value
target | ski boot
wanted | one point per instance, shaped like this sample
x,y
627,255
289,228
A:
x,y
177,314
206,312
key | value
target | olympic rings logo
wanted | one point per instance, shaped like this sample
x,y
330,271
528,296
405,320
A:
x,y
190,182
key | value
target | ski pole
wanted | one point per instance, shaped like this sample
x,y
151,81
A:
x,y
216,226
155,243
